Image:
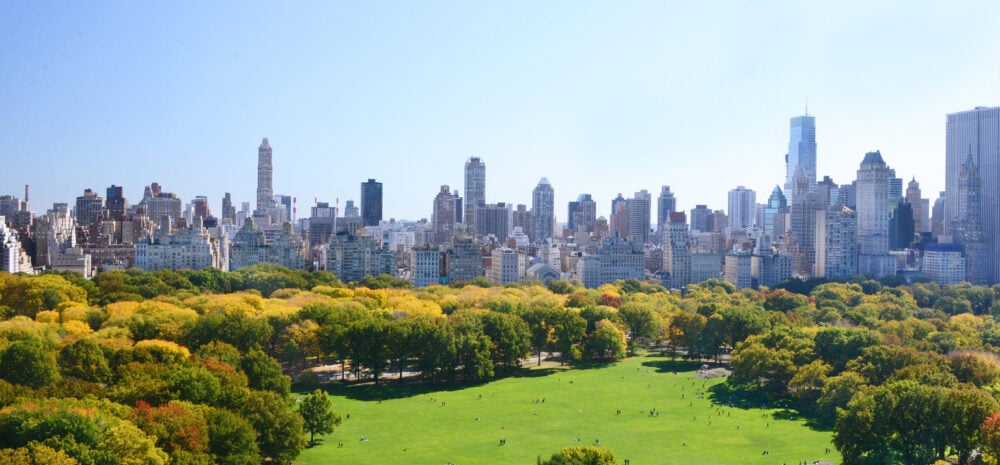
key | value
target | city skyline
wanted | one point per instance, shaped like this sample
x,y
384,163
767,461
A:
x,y
600,99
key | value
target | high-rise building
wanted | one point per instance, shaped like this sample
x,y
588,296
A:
x,y
837,244
776,204
944,264
352,256
738,269
443,217
506,266
285,204
116,203
89,208
700,218
191,249
459,207
874,211
371,202
522,218
322,224
10,248
201,207
584,216
618,222
228,209
665,204
543,205
425,264
921,220
742,203
937,216
639,217
351,210
676,252
475,191
976,131
494,219
801,152
615,259
803,217
968,229
265,188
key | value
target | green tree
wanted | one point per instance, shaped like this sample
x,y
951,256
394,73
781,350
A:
x,y
28,362
85,360
581,456
510,338
685,332
640,321
280,433
965,410
606,343
264,372
318,415
231,438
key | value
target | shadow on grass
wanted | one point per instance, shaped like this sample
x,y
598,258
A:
x,y
671,366
393,388
746,399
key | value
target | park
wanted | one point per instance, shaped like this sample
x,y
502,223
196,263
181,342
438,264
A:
x,y
648,409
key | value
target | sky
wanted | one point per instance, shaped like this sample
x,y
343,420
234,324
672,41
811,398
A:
x,y
598,97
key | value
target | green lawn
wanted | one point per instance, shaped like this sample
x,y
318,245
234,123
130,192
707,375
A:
x,y
465,426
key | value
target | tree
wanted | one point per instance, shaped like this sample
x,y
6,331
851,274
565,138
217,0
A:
x,y
264,372
641,322
28,362
606,343
231,438
581,456
510,337
965,410
85,360
280,435
318,415
685,332
756,365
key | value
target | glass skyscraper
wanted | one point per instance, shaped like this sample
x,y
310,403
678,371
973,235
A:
x,y
801,151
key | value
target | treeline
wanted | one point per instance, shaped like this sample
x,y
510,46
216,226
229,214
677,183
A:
x,y
190,367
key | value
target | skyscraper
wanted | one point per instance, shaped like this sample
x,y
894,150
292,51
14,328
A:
x,y
443,218
968,228
638,217
976,131
700,217
874,209
801,151
585,215
742,203
543,205
920,206
665,204
116,203
265,189
776,204
618,223
836,243
228,209
371,202
676,252
89,207
475,191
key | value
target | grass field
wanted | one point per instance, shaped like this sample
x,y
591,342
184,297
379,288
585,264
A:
x,y
547,409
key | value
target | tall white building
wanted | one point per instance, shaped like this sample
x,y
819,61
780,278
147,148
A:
x,y
10,248
874,209
639,207
836,243
475,191
742,208
676,252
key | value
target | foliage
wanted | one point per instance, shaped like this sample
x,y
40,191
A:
x,y
587,455
318,415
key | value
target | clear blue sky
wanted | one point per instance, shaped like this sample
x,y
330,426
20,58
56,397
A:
x,y
599,97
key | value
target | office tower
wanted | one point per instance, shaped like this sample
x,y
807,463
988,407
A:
x,y
116,203
89,208
618,222
968,229
571,209
228,209
543,204
443,217
803,217
639,217
676,252
827,193
521,218
836,243
776,204
265,188
322,224
874,210
919,206
284,203
371,202
351,210
901,226
801,152
459,207
665,204
700,218
976,131
201,208
494,219
464,260
584,216
475,191
937,216
742,202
